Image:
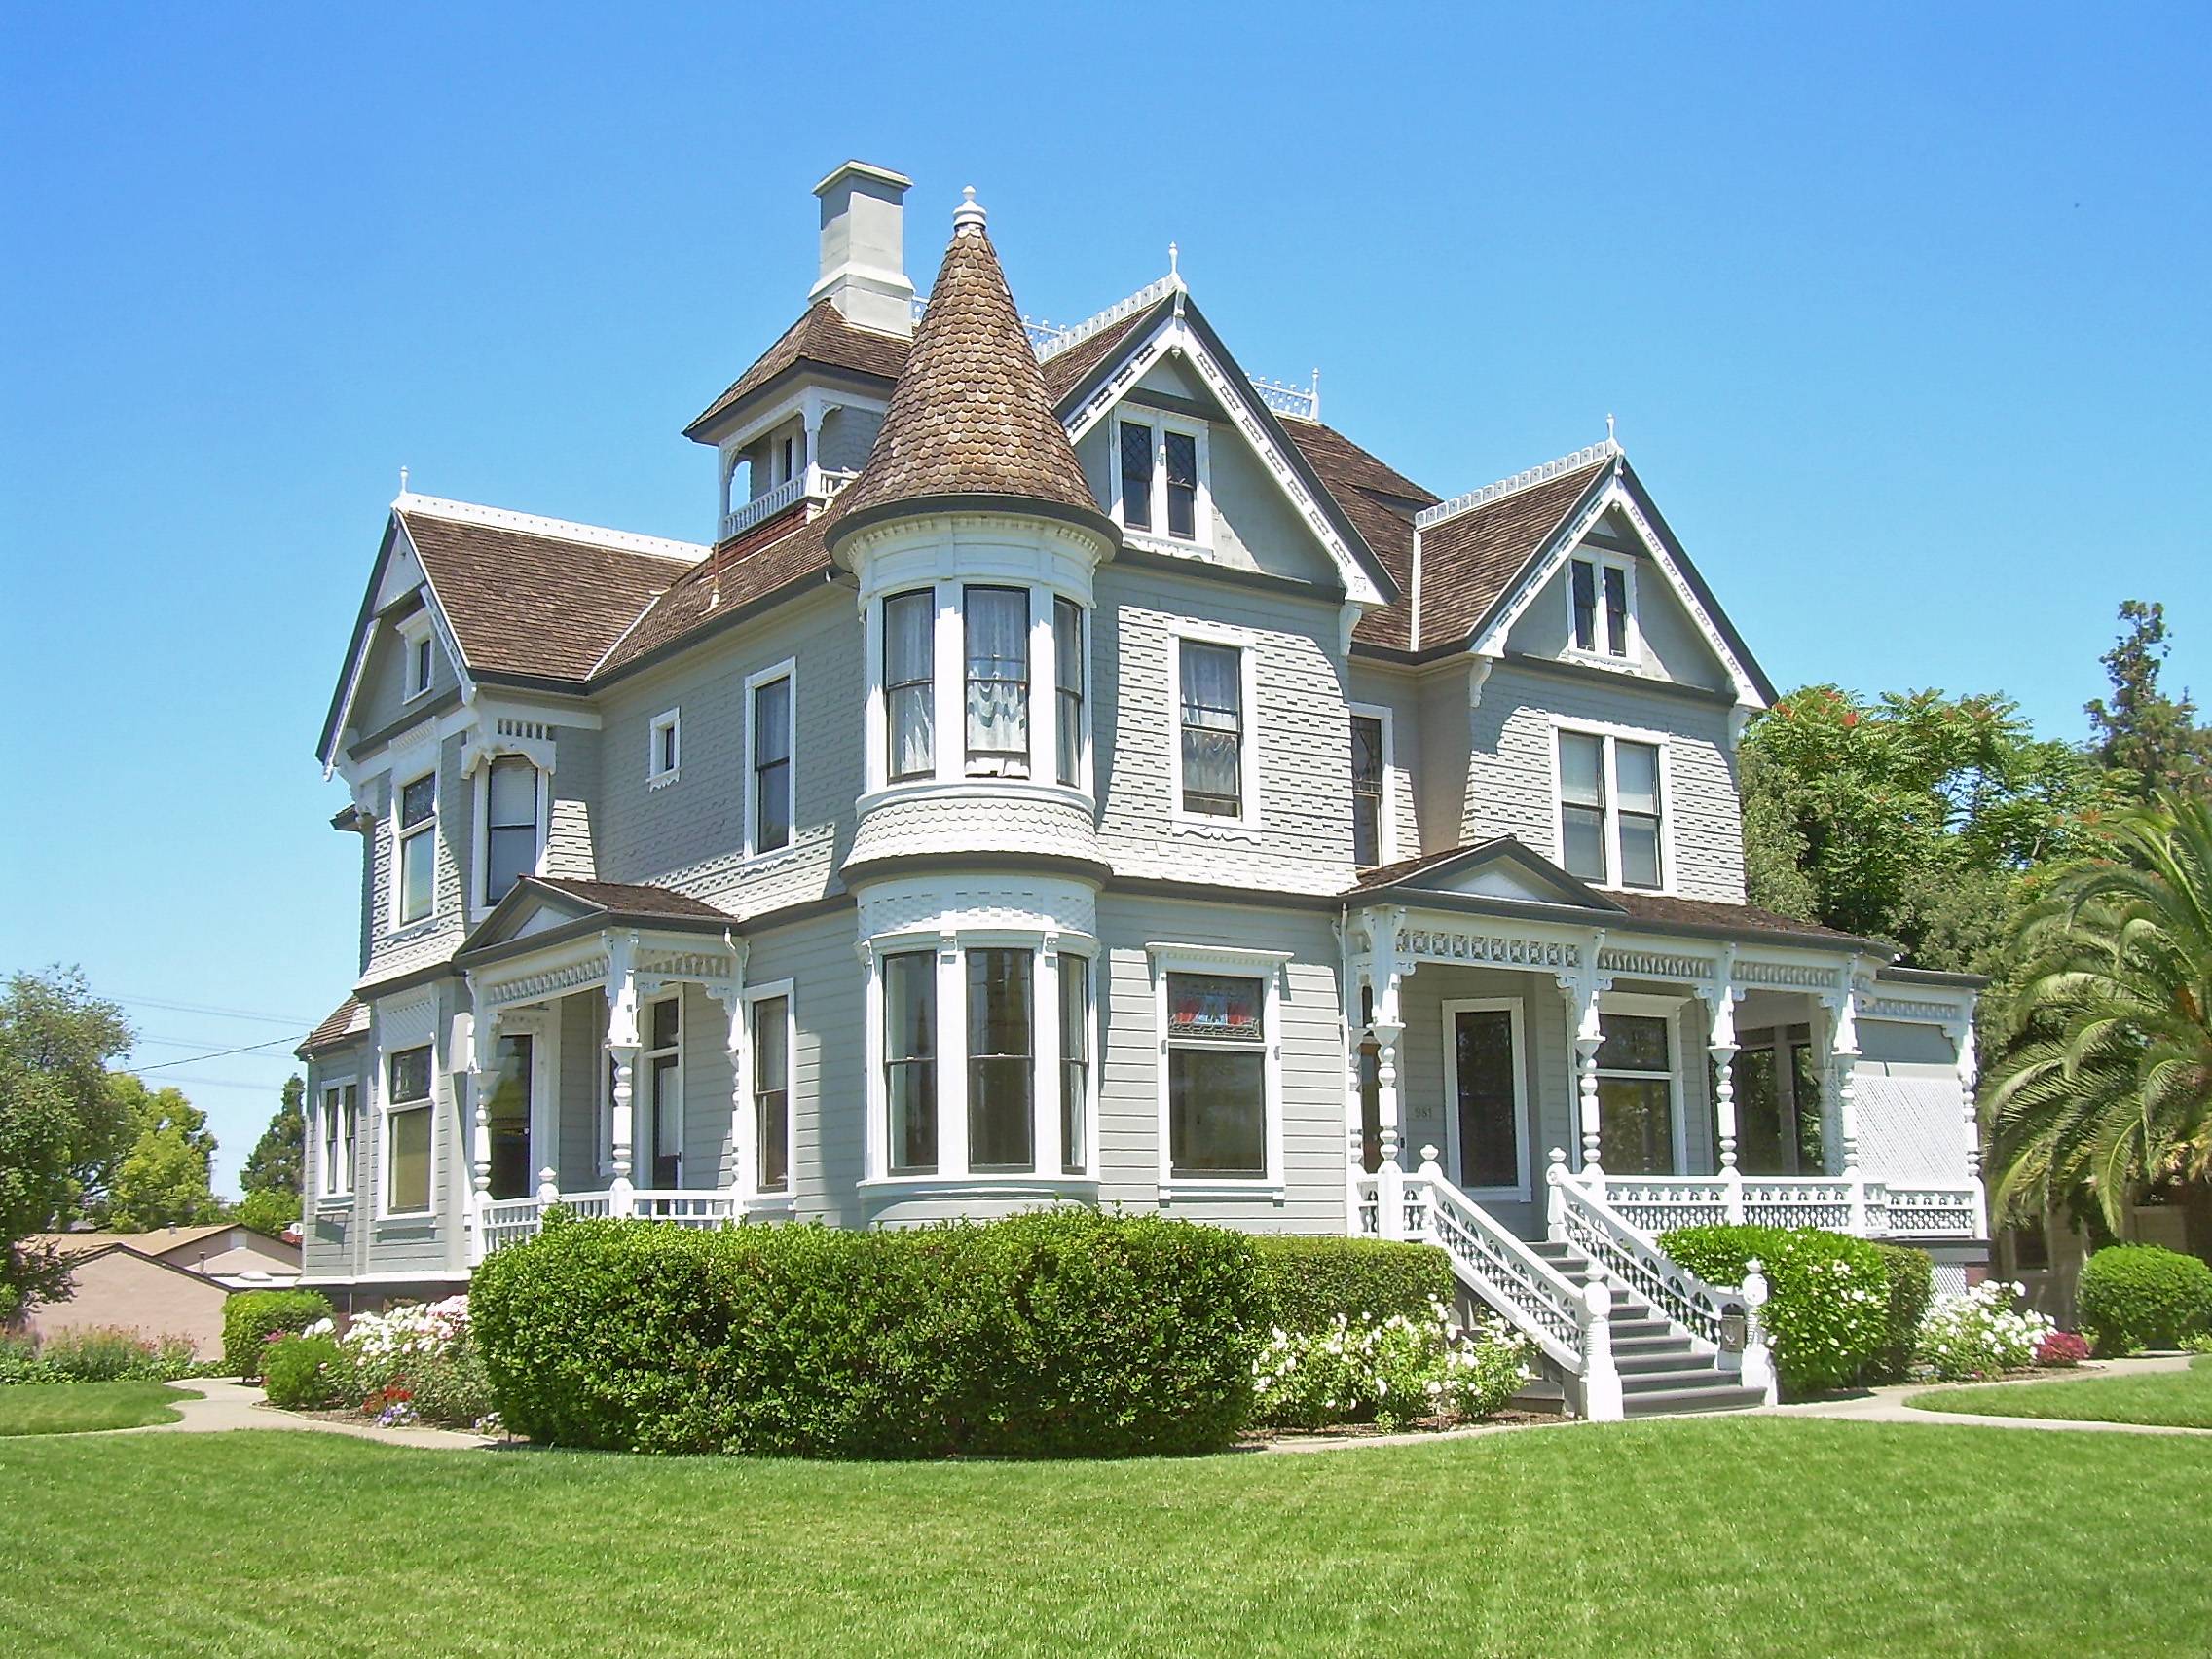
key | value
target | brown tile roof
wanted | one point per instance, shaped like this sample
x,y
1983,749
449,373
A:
x,y
347,1020
821,336
727,579
1381,502
1712,913
635,898
1467,560
524,602
1063,370
970,414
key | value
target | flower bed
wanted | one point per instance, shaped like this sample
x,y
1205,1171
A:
x,y
1981,1334
1391,1372
414,1363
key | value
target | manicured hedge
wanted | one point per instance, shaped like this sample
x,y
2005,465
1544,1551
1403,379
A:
x,y
2139,1296
1828,1311
1912,1286
1309,1281
304,1374
251,1315
1055,1334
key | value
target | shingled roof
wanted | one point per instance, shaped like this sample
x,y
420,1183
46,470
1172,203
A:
x,y
1467,560
823,336
1381,502
970,415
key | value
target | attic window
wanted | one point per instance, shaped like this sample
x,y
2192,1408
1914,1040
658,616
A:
x,y
1159,476
420,664
1600,606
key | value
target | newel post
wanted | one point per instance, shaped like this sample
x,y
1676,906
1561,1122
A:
x,y
548,1188
1843,1051
1757,1370
1555,1197
1601,1382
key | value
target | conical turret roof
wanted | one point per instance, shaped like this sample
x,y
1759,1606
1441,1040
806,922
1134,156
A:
x,y
970,415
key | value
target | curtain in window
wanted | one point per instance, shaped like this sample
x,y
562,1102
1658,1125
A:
x,y
1213,728
510,825
998,681
1068,676
909,670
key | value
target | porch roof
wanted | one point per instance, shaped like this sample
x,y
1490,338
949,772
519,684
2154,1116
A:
x,y
544,909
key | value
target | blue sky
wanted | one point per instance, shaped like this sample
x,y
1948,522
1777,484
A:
x,y
1902,310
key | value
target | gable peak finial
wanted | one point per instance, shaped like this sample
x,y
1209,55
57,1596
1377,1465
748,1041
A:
x,y
403,481
968,216
1610,438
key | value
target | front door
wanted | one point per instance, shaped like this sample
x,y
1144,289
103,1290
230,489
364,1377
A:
x,y
1485,1096
508,1112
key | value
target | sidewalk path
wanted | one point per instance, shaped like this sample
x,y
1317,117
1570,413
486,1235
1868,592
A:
x,y
1887,1404
228,1404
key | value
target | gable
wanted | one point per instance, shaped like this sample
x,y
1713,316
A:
x,y
1502,868
531,908
1669,644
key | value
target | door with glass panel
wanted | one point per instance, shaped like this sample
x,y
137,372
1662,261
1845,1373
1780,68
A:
x,y
507,1108
660,1099
1485,1098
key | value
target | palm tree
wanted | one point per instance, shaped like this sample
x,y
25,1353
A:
x,y
2109,1085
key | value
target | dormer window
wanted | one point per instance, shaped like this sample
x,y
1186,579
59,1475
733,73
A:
x,y
1159,477
1602,607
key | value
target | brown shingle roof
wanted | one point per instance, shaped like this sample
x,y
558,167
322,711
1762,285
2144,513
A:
x,y
1381,502
970,414
821,336
347,1020
524,602
740,573
1467,560
1064,370
635,898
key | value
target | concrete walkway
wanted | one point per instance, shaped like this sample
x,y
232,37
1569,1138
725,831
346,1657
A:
x,y
227,1404
1887,1404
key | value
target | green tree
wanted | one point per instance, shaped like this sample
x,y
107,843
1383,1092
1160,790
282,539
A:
x,y
2151,738
165,1179
60,1124
2108,1085
277,1157
1913,817
270,1210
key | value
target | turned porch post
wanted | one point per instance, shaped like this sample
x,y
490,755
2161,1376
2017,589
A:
x,y
1720,1045
622,1046
1582,988
483,1061
1969,1072
1843,1059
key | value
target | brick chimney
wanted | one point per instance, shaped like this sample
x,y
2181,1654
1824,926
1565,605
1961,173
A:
x,y
863,257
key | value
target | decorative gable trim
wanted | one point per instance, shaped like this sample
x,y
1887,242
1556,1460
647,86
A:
x,y
1449,875
1428,517
370,618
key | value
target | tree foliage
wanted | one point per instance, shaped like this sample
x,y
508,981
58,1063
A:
x,y
165,1178
278,1157
2107,1085
270,1210
59,1121
2152,741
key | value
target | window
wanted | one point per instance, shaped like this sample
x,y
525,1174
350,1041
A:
x,y
1590,580
1068,675
666,751
417,847
909,683
1367,777
340,1102
1160,480
1213,728
507,1111
417,655
1136,475
1002,1067
772,713
512,836
771,1092
1635,1092
407,1134
1777,1078
660,1124
909,1060
1216,1076
997,622
1075,1060
1611,810
1182,486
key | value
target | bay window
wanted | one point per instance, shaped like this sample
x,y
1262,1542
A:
x,y
417,835
341,1102
771,1092
1068,675
1611,795
511,833
407,1118
909,1060
909,683
1216,1075
1075,1061
1211,695
996,623
1002,1067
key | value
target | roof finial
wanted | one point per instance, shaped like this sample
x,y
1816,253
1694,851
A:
x,y
1610,438
1173,254
403,481
967,217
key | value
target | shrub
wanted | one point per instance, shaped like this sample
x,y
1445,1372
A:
x,y
1389,1371
253,1316
1828,1296
1912,1287
1979,1334
1308,1281
2139,1296
19,1361
304,1373
2061,1350
96,1354
1062,1332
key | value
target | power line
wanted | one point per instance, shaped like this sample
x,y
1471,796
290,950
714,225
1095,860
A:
x,y
300,1021
218,1054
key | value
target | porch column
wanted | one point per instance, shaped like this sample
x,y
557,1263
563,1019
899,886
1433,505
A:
x,y
1843,1059
1720,1045
1582,988
1969,1073
622,1046
483,1066
744,1142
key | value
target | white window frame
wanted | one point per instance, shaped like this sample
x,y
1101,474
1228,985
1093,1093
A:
x,y
479,898
657,776
386,1108
1246,645
640,1083
1268,967
787,670
747,1157
414,634
1603,561
1609,735
423,764
1523,1188
328,1190
1051,599
1161,423
1088,1153
1669,1008
1386,819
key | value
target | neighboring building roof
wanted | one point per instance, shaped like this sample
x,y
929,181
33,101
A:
x,y
970,415
1469,559
821,336
155,1243
343,1025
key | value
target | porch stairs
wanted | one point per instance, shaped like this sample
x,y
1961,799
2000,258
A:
x,y
1621,1329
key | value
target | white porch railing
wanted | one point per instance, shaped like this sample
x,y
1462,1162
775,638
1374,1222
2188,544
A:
x,y
501,1222
814,484
1873,1209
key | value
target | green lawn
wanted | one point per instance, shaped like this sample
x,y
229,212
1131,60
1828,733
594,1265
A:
x,y
1754,1535
2181,1399
68,1408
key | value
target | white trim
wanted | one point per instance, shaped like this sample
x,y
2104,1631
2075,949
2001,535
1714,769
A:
x,y
1449,1011
748,1162
415,633
1669,1008
1267,967
643,1094
787,671
657,776
326,1194
385,1108
1156,534
1386,819
559,530
480,900
1600,654
1608,735
1246,645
